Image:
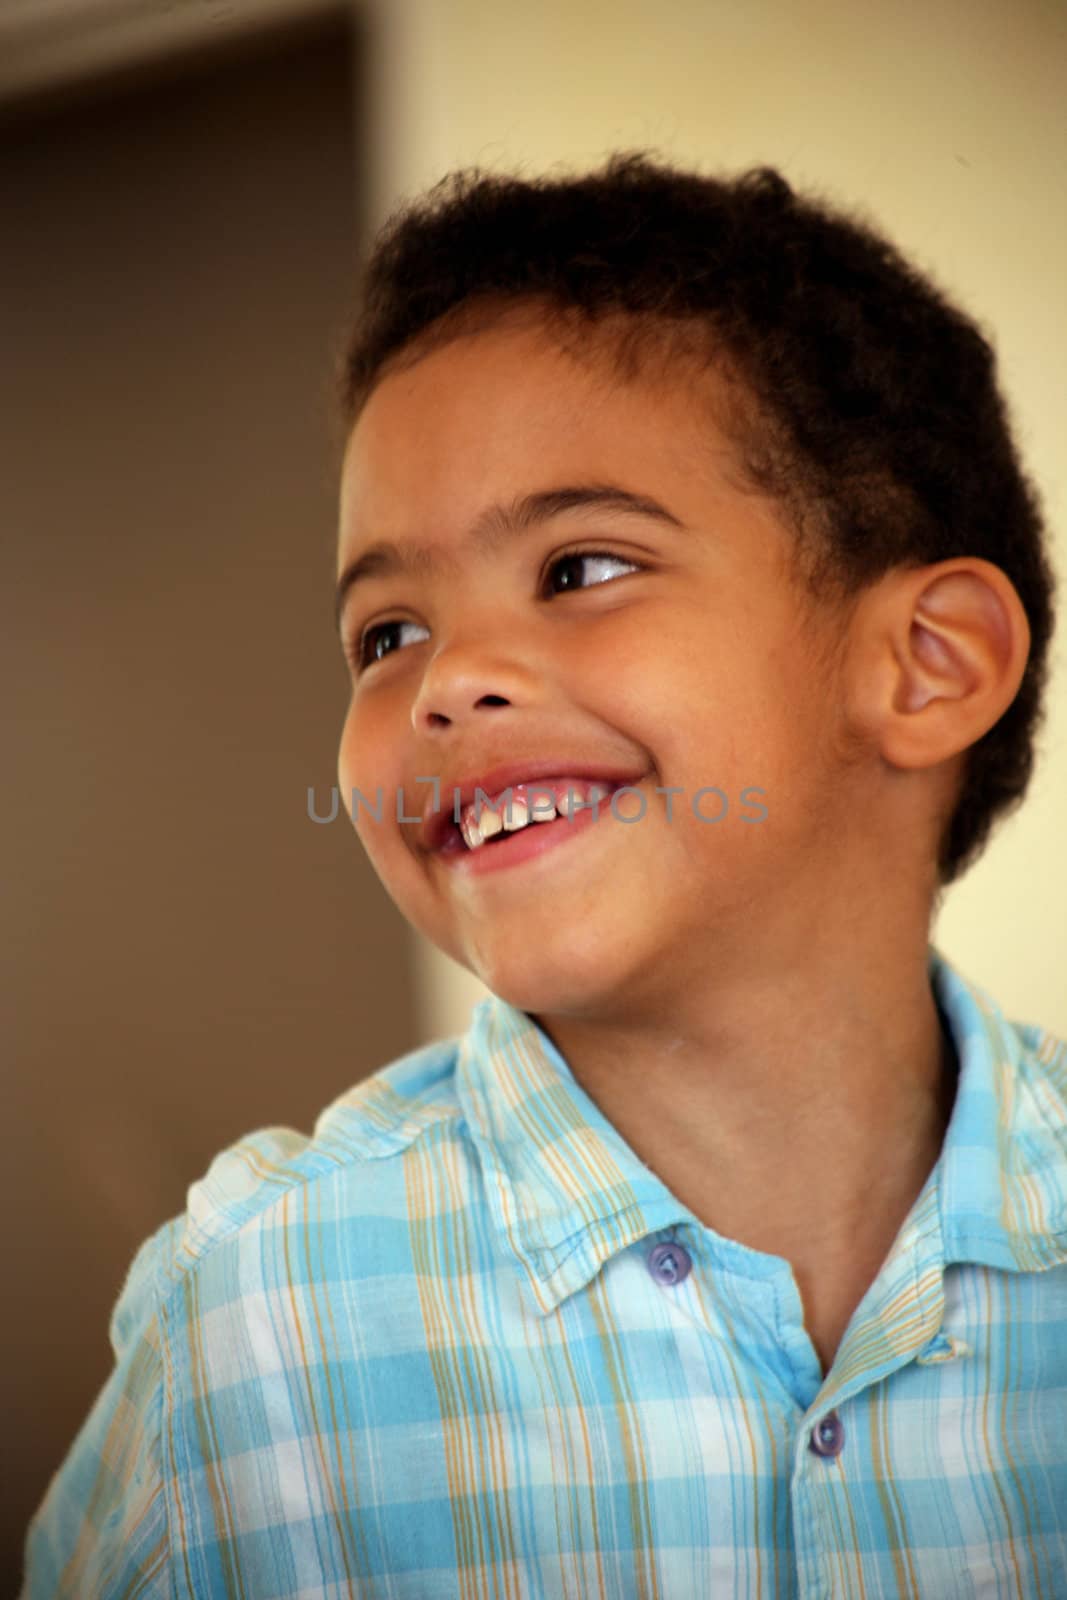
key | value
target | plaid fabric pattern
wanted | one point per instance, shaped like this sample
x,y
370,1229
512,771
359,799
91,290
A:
x,y
423,1354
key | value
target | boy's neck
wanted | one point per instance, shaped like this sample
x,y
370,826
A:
x,y
786,1108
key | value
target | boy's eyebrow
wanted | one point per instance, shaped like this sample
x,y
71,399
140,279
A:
x,y
492,526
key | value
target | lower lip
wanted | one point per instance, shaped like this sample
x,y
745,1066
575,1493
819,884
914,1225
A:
x,y
535,839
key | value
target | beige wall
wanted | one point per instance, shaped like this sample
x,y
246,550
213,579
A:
x,y
943,122
187,956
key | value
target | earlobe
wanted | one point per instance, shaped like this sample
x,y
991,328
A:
x,y
961,646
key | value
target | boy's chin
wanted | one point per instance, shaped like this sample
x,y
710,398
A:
x,y
554,988
562,966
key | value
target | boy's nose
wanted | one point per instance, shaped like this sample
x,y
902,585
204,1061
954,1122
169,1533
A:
x,y
462,680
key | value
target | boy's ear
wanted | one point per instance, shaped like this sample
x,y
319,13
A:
x,y
940,654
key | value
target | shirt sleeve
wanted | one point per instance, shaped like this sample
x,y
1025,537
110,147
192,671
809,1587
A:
x,y
101,1530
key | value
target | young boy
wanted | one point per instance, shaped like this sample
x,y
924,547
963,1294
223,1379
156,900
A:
x,y
697,615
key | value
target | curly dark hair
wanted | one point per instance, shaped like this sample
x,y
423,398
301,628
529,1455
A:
x,y
863,399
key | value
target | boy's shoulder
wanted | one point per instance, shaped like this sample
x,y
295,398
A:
x,y
378,1117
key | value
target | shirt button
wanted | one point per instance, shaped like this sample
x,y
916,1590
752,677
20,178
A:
x,y
669,1263
828,1436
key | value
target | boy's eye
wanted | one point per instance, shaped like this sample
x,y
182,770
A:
x,y
564,572
567,569
379,640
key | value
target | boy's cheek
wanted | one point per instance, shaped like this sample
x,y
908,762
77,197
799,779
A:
x,y
362,790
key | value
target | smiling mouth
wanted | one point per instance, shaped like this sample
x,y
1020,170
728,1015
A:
x,y
528,805
526,809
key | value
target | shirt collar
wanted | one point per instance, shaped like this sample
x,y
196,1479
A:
x,y
566,1192
564,1188
1002,1175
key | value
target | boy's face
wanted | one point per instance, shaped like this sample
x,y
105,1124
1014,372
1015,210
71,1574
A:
x,y
692,664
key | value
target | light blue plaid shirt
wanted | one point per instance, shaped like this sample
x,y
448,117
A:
x,y
462,1343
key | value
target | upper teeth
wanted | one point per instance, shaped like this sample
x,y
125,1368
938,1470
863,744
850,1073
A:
x,y
479,822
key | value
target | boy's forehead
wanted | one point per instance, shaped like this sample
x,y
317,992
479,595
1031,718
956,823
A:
x,y
508,407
